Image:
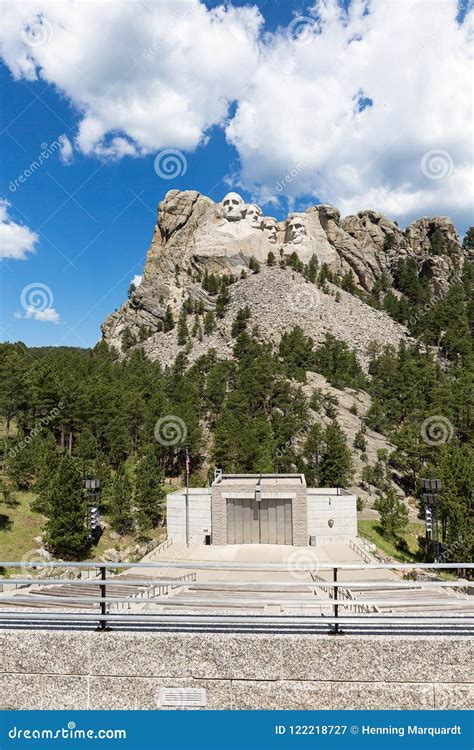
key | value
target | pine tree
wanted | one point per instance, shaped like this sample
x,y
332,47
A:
x,y
120,506
314,451
168,321
128,339
66,533
149,493
271,260
222,302
183,333
86,448
336,468
311,270
209,323
393,514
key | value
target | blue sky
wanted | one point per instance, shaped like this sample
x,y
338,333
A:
x,y
288,100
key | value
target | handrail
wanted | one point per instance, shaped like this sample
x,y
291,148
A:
x,y
340,594
250,584
282,567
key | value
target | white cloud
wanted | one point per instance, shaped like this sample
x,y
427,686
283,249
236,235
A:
x,y
344,114
49,315
16,240
65,150
145,76
412,60
137,280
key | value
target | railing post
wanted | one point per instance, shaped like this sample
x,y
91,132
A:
x,y
336,630
103,605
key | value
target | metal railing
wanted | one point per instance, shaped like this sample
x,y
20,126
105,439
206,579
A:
x,y
256,595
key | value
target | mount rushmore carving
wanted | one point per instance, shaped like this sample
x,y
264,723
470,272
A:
x,y
195,235
291,231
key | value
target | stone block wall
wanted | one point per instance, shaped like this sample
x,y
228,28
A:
x,y
124,670
297,494
340,509
200,522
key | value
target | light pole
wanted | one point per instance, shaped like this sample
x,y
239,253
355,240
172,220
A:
x,y
187,497
431,489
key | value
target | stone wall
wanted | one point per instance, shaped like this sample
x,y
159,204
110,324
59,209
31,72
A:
x,y
200,522
341,510
89,670
295,492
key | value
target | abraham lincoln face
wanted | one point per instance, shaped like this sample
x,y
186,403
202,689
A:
x,y
296,230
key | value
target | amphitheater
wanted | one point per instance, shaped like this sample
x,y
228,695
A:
x,y
262,596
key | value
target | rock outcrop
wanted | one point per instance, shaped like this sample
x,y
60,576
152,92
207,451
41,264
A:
x,y
195,237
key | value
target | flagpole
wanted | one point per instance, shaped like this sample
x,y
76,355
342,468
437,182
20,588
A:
x,y
187,498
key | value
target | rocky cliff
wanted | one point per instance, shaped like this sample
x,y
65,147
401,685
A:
x,y
195,239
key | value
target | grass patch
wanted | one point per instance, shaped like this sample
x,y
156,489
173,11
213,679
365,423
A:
x,y
411,553
19,525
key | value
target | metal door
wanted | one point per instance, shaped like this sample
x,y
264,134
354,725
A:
x,y
266,522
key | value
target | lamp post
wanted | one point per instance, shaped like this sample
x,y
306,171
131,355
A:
x,y
92,489
187,496
430,495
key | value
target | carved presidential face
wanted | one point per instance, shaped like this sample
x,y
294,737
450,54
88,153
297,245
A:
x,y
254,215
270,228
296,230
233,207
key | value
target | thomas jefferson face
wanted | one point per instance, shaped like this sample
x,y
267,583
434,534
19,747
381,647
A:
x,y
270,228
254,215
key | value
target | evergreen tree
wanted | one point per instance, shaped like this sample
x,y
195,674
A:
x,y
311,270
336,468
168,321
66,533
297,354
128,339
120,507
86,448
271,260
149,493
209,323
222,302
254,265
183,333
393,514
314,449
240,322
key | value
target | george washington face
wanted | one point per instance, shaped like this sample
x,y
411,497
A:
x,y
233,207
